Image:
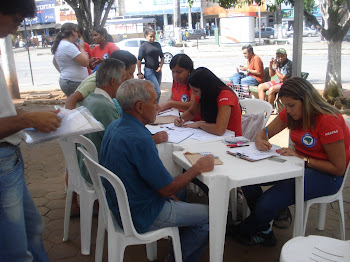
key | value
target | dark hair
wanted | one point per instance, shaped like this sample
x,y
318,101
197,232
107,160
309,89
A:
x,y
149,30
183,61
101,30
124,56
23,8
248,47
300,89
66,30
79,29
210,86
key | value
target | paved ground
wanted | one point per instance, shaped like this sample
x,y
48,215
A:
x,y
45,175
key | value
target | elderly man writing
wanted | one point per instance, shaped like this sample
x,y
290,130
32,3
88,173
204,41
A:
x,y
129,151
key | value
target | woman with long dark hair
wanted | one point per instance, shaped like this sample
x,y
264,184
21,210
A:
x,y
151,52
218,104
321,138
105,46
68,59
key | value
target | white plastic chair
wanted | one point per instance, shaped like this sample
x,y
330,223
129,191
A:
x,y
315,248
251,106
322,202
76,183
119,238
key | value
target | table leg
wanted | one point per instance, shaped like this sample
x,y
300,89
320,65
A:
x,y
299,206
218,207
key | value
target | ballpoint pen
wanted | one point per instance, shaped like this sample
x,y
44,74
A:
x,y
180,117
267,134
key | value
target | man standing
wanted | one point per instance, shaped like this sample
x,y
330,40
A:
x,y
21,225
281,68
129,151
253,73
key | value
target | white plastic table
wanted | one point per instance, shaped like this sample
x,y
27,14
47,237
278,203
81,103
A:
x,y
235,173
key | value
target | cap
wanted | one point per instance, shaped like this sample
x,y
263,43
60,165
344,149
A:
x,y
281,51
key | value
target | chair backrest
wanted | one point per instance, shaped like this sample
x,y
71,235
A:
x,y
96,172
69,148
251,106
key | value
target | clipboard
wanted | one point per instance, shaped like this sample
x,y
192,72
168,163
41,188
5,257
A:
x,y
164,120
252,154
194,157
245,157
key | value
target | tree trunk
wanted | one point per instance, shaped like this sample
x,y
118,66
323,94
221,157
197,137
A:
x,y
278,22
189,18
333,76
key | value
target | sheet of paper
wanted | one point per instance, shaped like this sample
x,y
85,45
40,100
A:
x,y
174,136
253,153
169,112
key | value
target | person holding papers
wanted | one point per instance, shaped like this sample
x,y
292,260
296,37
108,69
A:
x,y
218,104
321,139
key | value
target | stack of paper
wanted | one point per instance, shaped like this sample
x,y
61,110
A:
x,y
252,153
74,122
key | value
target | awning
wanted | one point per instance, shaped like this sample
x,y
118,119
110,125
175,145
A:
x,y
183,10
130,21
40,26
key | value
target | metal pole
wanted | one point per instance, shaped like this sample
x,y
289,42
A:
x,y
298,37
30,63
259,24
9,66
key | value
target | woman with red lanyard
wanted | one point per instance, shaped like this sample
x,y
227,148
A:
x,y
105,46
218,104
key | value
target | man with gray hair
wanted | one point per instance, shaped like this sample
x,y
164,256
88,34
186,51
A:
x,y
109,76
252,74
128,151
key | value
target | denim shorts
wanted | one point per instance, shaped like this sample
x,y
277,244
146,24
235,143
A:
x,y
68,87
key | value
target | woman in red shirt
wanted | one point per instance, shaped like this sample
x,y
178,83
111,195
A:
x,y
218,104
105,46
321,138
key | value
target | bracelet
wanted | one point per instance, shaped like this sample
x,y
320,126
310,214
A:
x,y
248,71
139,74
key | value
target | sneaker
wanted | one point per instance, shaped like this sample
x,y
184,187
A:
x,y
283,218
232,230
259,238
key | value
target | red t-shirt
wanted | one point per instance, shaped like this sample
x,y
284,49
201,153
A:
x,y
105,52
328,129
183,93
227,97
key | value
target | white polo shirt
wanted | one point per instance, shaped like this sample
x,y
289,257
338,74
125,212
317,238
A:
x,y
7,108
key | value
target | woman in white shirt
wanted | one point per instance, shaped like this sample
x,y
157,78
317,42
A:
x,y
68,60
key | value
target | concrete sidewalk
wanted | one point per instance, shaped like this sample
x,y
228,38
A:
x,y
45,176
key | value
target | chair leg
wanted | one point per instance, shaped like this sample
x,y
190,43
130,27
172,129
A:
x,y
151,250
100,238
176,245
67,210
115,250
342,219
306,213
233,200
245,208
322,208
86,209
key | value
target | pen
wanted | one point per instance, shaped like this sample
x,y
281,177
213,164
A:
x,y
267,134
233,146
180,118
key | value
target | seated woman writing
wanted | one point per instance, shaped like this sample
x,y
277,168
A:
x,y
217,103
321,139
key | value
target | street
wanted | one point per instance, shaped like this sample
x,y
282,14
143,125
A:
x,y
222,60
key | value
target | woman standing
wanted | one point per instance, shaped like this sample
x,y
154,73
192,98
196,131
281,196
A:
x,y
321,139
218,104
68,60
151,51
105,46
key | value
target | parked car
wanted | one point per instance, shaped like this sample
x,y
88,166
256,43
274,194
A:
x,y
266,32
133,44
347,36
196,34
306,32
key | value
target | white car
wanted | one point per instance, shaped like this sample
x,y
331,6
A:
x,y
306,32
133,44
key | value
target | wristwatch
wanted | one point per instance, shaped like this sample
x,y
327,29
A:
x,y
139,74
306,160
248,71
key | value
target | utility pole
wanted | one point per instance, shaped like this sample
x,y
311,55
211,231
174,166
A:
x,y
9,66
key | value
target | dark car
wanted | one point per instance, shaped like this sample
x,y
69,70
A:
x,y
196,34
266,32
347,36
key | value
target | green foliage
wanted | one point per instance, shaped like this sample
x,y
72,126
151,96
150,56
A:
x,y
190,2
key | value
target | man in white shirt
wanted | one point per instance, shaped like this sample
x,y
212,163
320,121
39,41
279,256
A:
x,y
21,225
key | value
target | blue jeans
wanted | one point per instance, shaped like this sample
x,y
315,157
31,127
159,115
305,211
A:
x,y
68,87
242,79
155,78
264,206
21,225
193,222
